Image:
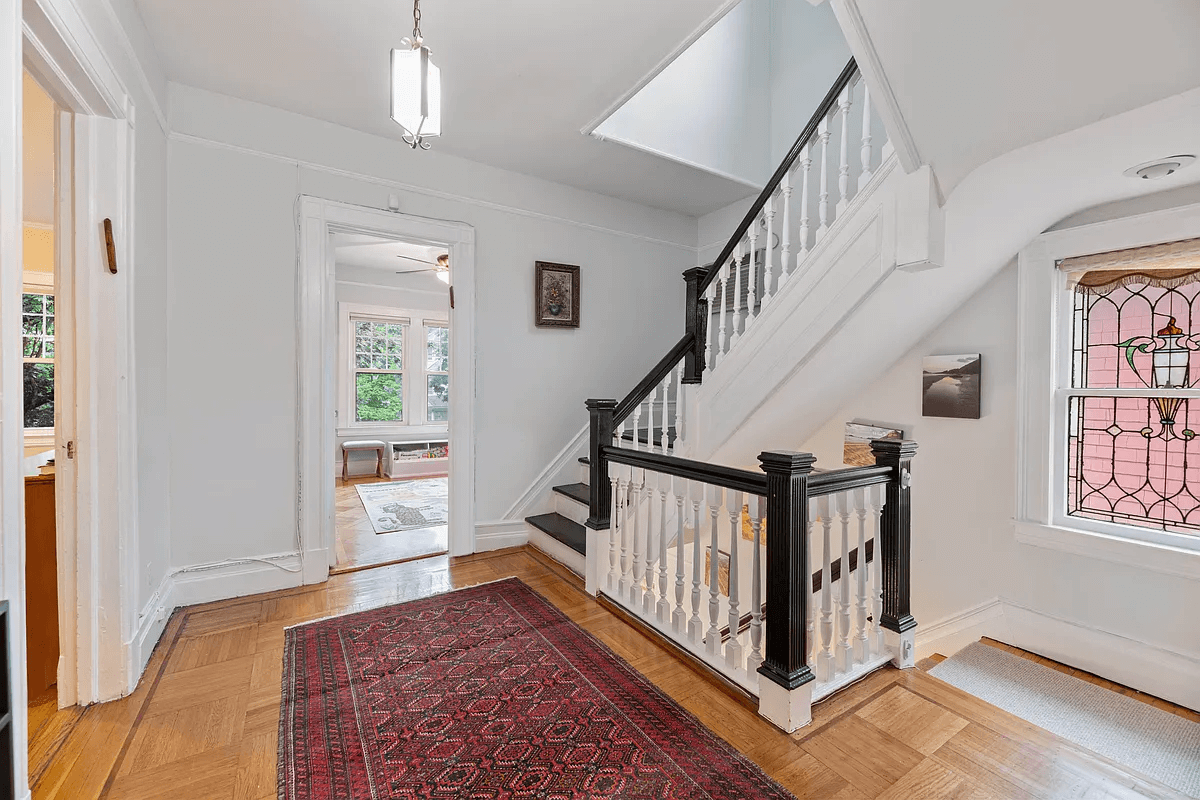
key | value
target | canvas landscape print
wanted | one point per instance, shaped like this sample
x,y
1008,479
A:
x,y
856,451
950,386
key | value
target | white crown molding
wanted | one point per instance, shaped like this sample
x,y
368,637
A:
x,y
188,138
854,27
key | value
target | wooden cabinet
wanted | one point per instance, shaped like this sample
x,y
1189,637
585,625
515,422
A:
x,y
41,585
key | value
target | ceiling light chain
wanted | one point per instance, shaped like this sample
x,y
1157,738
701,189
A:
x,y
416,89
416,23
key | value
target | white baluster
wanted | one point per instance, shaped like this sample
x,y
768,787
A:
x,y
663,440
752,269
865,153
710,330
823,197
757,506
639,555
805,162
723,332
862,648
825,660
663,609
712,637
678,615
738,315
696,492
785,245
680,406
635,420
769,249
809,593
844,163
845,655
733,647
875,499
626,528
616,474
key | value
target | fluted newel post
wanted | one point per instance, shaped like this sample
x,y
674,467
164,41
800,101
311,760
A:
x,y
695,323
785,685
895,531
600,488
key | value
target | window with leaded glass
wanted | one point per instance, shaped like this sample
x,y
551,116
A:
x,y
378,370
437,372
37,332
1133,455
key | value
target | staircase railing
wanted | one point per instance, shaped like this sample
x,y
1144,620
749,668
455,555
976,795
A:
x,y
769,614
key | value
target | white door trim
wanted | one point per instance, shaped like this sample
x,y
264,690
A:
x,y
317,361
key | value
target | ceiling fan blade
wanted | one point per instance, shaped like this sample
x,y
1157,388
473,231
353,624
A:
x,y
409,271
418,260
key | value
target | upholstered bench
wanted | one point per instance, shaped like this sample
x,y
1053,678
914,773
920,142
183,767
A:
x,y
365,444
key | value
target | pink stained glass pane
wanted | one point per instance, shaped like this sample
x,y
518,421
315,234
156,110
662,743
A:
x,y
1125,465
1103,320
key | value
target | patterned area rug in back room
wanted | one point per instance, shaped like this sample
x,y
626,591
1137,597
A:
x,y
405,505
487,692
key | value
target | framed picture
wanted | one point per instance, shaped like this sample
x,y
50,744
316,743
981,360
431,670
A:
x,y
950,386
556,295
856,449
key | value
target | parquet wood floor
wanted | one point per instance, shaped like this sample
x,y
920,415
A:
x,y
360,547
202,724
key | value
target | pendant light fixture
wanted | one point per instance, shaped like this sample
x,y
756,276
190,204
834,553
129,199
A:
x,y
416,88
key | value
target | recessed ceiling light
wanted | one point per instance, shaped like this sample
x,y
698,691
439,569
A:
x,y
1159,168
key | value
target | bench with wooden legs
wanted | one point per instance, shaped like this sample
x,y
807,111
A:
x,y
359,446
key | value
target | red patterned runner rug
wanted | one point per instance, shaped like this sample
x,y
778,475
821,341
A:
x,y
487,692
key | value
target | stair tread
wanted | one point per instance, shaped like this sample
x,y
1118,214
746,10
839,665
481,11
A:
x,y
579,492
585,460
572,534
656,434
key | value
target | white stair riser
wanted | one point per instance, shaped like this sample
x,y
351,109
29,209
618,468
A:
x,y
571,509
557,550
585,473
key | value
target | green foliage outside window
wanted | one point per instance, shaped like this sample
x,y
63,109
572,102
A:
x,y
379,397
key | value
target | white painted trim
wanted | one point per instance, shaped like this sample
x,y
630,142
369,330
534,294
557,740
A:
x,y
500,534
725,7
653,151
1152,556
136,63
557,550
1131,662
422,190
38,226
238,578
317,365
363,284
152,620
533,499
951,634
883,98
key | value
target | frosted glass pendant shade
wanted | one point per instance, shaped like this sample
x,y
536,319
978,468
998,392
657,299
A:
x,y
416,94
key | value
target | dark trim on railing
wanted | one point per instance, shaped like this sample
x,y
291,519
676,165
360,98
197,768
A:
x,y
843,480
600,413
826,106
740,480
895,533
652,380
695,323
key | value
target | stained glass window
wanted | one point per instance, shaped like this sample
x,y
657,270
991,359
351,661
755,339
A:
x,y
1133,456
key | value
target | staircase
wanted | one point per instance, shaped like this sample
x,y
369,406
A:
x,y
561,534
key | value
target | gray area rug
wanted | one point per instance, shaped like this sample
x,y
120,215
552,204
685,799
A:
x,y
1158,744
405,505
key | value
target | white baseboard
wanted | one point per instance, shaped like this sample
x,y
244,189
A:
x,y
1139,665
500,534
151,623
949,635
535,499
237,578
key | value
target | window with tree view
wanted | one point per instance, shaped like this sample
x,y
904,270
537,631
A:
x,y
1133,455
37,323
378,370
437,373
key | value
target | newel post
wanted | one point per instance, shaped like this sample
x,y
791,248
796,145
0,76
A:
x,y
600,487
695,323
895,531
785,683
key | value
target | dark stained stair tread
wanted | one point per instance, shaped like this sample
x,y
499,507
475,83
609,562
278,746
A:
x,y
572,534
585,460
579,492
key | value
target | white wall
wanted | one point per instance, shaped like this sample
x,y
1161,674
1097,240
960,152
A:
x,y
236,171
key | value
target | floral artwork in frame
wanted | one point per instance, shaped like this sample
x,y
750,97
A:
x,y
556,295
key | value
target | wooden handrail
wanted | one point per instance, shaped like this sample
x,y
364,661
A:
x,y
785,166
652,379
843,480
740,480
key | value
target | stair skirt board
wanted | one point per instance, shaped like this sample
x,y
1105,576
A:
x,y
558,551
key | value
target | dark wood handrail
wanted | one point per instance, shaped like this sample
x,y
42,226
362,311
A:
x,y
741,480
843,480
652,379
785,166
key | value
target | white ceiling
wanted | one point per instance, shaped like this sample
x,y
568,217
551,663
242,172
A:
x,y
367,259
520,79
976,80
37,144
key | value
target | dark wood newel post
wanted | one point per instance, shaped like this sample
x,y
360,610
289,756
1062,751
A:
x,y
788,571
695,323
896,533
600,487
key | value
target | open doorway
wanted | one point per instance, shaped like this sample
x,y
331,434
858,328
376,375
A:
x,y
392,417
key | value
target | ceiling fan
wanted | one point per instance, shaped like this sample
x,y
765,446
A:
x,y
441,266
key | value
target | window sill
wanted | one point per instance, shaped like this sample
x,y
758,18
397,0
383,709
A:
x,y
395,433
1149,556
